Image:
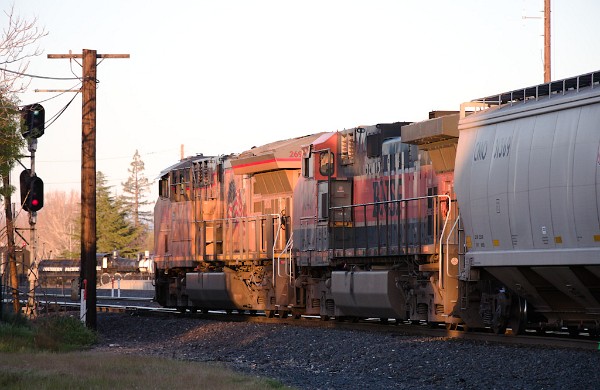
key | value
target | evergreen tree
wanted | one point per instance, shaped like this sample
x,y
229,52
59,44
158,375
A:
x,y
113,227
135,190
11,141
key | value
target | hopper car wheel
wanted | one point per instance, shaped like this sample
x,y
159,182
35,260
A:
x,y
181,309
518,318
384,321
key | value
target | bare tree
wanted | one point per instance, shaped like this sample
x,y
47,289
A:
x,y
18,43
58,226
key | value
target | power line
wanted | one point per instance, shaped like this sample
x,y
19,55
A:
x,y
40,77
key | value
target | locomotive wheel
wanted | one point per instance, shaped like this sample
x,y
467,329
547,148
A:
x,y
270,313
282,313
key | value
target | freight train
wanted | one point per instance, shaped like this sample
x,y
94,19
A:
x,y
487,217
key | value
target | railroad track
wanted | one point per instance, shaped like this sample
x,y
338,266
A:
x,y
143,306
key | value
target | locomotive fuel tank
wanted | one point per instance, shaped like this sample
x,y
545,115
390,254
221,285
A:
x,y
527,181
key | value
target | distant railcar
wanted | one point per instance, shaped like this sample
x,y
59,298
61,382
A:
x,y
59,272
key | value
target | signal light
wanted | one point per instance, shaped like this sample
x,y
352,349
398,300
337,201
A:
x,y
32,191
35,198
32,121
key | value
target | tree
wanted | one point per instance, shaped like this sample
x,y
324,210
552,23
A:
x,y
58,226
11,142
114,229
18,43
16,39
135,190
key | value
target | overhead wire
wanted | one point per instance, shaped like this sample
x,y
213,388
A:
x,y
53,119
39,77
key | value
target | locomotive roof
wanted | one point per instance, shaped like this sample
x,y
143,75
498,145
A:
x,y
186,162
547,89
283,154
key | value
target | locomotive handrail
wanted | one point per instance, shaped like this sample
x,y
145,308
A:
x,y
275,243
448,244
441,254
227,222
288,248
386,203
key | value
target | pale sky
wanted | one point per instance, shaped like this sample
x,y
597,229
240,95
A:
x,y
222,76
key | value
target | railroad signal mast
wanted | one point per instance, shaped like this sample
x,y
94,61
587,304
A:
x,y
32,189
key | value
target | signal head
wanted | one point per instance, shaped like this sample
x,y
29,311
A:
x,y
32,121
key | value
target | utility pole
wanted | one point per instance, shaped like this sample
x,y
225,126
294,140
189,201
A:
x,y
547,44
547,59
88,179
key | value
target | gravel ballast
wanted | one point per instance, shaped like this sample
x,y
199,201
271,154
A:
x,y
316,358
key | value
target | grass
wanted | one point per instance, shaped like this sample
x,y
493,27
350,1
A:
x,y
52,353
48,333
89,370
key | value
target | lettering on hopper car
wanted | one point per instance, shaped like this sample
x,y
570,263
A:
x,y
502,147
480,151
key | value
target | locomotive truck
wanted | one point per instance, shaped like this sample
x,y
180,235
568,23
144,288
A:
x,y
483,217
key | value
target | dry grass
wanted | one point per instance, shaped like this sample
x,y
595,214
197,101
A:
x,y
89,370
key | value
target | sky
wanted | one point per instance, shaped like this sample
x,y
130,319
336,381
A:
x,y
222,76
